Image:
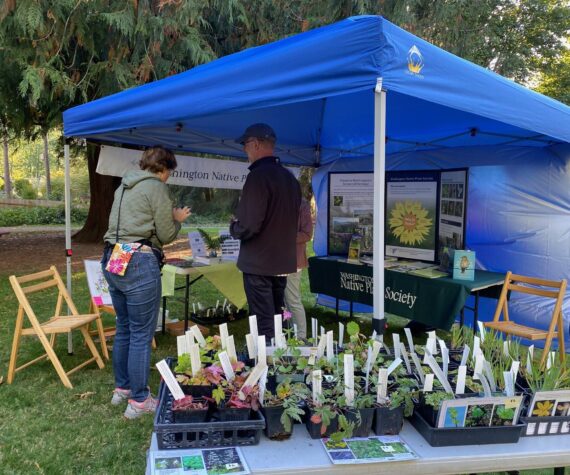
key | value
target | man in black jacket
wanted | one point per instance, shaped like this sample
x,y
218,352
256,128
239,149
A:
x,y
266,223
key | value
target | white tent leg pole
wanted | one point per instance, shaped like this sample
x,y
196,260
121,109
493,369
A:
x,y
378,321
68,234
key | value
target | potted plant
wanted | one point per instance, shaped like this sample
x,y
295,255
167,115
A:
x,y
389,416
189,410
322,420
229,405
430,403
282,408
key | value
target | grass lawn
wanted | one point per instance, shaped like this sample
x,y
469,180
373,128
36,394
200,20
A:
x,y
48,429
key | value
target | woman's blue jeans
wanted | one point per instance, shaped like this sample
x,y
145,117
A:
x,y
136,299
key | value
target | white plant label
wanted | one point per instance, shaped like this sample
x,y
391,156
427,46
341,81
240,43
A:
x,y
485,383
445,357
465,355
330,346
431,347
515,369
442,344
396,341
261,350
509,383
314,329
198,335
394,365
181,347
431,334
406,357
428,383
317,382
169,379
410,339
482,331
231,348
323,332
278,322
478,365
251,349
437,371
195,362
488,372
190,340
506,348
340,334
262,384
461,375
382,392
550,360
476,346
224,334
349,379
295,330
253,377
227,365
418,366
376,345
321,347
253,327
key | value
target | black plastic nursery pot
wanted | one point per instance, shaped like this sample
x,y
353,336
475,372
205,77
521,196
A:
x,y
232,413
188,416
316,430
274,429
198,390
366,418
388,421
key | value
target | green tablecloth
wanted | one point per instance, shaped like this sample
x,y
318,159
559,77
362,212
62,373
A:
x,y
434,302
224,276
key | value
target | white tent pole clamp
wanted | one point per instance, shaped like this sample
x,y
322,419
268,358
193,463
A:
x,y
378,226
67,190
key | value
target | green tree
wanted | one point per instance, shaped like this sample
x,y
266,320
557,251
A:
x,y
555,82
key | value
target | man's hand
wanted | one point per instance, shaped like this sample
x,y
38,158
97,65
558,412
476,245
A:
x,y
180,214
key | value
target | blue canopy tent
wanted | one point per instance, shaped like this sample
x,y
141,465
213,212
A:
x,y
358,89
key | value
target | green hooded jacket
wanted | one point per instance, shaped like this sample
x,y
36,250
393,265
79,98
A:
x,y
146,211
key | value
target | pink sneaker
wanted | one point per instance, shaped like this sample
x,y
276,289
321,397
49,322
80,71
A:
x,y
136,409
120,395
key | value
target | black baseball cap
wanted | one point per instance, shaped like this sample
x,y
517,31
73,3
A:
x,y
257,131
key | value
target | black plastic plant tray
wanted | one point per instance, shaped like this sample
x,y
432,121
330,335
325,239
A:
x,y
538,426
171,435
466,435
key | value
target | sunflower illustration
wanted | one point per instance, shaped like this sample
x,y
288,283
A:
x,y
543,409
409,222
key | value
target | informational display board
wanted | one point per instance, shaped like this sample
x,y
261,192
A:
x,y
452,211
98,286
412,214
215,461
368,450
351,205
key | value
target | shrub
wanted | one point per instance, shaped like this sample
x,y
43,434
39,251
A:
x,y
25,190
40,216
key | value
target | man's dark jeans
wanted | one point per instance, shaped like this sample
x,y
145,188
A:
x,y
265,299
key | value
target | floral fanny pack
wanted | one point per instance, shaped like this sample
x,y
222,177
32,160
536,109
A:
x,y
121,256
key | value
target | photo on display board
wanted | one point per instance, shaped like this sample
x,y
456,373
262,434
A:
x,y
452,213
350,211
550,403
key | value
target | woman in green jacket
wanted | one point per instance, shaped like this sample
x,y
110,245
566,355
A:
x,y
142,220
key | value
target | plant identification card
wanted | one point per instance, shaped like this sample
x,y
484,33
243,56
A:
x,y
323,332
485,383
394,365
253,327
428,383
431,346
406,358
227,365
397,348
190,340
349,378
253,377
278,323
465,355
261,350
263,384
314,329
251,348
231,348
382,391
340,334
198,335
418,366
295,330
476,346
317,383
488,372
515,369
506,348
330,346
169,379
461,375
482,331
509,383
438,372
181,347
224,334
479,358
321,346
195,362
410,339
445,357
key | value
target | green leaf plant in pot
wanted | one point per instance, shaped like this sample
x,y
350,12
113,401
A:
x,y
389,414
189,410
281,408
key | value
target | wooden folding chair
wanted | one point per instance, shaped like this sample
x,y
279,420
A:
x,y
533,286
55,325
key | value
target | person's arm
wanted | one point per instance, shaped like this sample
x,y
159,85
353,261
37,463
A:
x,y
166,226
251,210
305,231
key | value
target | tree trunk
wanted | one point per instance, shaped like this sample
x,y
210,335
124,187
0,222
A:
x,y
7,182
102,189
46,165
